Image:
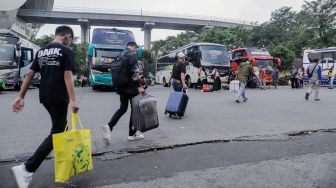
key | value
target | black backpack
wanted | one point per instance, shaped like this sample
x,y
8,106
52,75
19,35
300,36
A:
x,y
120,72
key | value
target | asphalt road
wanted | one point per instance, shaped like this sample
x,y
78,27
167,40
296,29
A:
x,y
300,161
209,116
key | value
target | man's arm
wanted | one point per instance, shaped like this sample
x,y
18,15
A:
x,y
68,78
18,103
183,80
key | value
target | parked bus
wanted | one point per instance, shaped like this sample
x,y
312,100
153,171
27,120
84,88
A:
x,y
198,55
16,57
106,45
327,59
260,57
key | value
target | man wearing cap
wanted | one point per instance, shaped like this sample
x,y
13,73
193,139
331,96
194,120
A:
x,y
178,75
126,93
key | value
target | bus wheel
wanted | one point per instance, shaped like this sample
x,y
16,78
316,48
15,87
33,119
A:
x,y
164,82
188,80
94,87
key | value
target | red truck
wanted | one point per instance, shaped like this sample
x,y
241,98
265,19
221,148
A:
x,y
260,58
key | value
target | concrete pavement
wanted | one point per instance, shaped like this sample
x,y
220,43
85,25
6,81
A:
x,y
269,114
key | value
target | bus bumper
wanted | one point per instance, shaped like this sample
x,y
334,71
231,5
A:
x,y
101,79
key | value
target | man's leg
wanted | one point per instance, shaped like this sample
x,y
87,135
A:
x,y
241,90
317,89
292,83
132,129
58,114
120,112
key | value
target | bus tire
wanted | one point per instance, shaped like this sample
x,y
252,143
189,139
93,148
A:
x,y
188,80
95,87
164,82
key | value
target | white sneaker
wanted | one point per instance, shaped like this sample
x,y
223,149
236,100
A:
x,y
22,176
106,134
137,136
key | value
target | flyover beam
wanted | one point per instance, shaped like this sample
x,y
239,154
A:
x,y
85,31
147,28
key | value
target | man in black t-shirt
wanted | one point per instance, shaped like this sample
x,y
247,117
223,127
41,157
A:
x,y
178,74
55,62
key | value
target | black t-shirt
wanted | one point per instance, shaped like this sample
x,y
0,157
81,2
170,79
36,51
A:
x,y
52,60
178,69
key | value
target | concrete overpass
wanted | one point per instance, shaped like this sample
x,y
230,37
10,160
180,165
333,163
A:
x,y
11,23
121,18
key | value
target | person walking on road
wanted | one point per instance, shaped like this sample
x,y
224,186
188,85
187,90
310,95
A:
x,y
199,80
178,75
314,72
263,76
56,64
217,82
300,78
126,93
294,73
275,77
331,77
244,71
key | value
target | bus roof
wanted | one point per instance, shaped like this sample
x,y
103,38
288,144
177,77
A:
x,y
192,44
325,49
246,48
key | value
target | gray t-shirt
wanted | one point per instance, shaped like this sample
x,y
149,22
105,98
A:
x,y
315,75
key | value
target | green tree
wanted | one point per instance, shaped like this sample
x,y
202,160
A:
x,y
149,62
230,37
284,52
322,19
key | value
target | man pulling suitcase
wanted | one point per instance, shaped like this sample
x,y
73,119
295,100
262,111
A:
x,y
178,99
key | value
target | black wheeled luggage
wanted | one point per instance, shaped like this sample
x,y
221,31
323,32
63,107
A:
x,y
144,114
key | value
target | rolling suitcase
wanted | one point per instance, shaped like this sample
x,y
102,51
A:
x,y
177,104
144,114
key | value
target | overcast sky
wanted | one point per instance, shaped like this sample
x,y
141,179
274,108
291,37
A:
x,y
252,10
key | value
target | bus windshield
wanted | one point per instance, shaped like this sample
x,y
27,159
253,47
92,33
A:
x,y
105,56
264,63
217,55
7,53
111,37
7,56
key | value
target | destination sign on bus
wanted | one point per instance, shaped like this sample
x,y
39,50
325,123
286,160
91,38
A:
x,y
259,52
111,37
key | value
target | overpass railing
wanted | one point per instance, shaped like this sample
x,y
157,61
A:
x,y
154,13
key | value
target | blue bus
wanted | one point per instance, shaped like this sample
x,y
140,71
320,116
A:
x,y
105,46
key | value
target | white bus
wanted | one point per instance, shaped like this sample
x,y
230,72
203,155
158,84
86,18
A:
x,y
198,55
16,57
327,59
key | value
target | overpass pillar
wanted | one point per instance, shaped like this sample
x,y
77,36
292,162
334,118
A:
x,y
85,31
147,28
